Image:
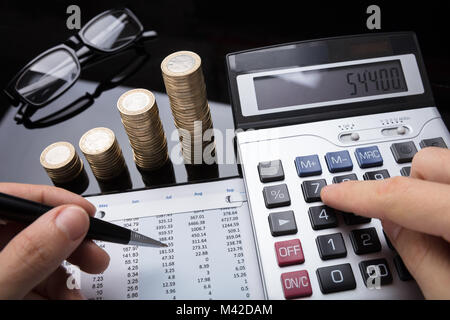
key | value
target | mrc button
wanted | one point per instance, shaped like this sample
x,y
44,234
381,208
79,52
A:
x,y
308,166
289,252
296,284
368,157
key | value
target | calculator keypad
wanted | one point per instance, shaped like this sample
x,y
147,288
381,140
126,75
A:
x,y
289,252
376,268
368,157
336,278
376,175
351,219
311,189
364,241
276,196
338,161
403,152
282,223
331,246
347,177
322,217
308,166
270,171
435,142
296,284
405,171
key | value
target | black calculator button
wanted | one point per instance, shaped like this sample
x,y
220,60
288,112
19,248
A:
x,y
365,241
331,246
389,243
405,171
351,219
347,177
270,171
435,142
282,223
336,278
376,175
311,189
322,217
403,272
373,269
403,152
276,196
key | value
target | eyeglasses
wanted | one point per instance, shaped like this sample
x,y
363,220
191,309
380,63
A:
x,y
54,71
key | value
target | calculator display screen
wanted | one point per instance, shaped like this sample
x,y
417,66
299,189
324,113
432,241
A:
x,y
329,84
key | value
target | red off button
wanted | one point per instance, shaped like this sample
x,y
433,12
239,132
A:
x,y
289,252
296,284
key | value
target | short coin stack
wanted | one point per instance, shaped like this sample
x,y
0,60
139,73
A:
x,y
61,162
102,151
140,117
185,86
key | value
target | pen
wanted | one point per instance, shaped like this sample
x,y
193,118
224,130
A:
x,y
25,211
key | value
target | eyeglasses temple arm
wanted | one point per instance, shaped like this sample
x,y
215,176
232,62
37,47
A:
x,y
149,35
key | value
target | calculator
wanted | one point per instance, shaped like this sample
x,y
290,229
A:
x,y
318,112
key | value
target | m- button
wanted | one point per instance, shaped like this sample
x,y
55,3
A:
x,y
289,252
296,284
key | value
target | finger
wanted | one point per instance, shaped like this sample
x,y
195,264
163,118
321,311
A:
x,y
48,195
432,164
39,249
414,204
90,258
56,287
426,257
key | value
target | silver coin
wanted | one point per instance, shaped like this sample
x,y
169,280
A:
x,y
180,63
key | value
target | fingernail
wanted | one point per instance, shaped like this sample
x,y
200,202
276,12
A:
x,y
73,221
391,229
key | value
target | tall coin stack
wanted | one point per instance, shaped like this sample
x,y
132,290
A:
x,y
102,151
185,86
61,162
140,117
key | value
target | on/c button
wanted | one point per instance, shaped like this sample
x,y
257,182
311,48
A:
x,y
296,284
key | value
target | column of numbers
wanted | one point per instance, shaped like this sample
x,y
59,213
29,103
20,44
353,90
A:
x,y
197,225
164,227
130,256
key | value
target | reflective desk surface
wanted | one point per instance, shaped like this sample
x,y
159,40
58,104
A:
x,y
192,25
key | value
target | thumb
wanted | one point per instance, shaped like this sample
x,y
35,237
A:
x,y
37,251
426,257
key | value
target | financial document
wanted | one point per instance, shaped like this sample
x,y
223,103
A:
x,y
211,252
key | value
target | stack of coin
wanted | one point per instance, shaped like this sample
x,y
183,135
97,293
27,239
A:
x,y
140,117
61,162
185,86
103,153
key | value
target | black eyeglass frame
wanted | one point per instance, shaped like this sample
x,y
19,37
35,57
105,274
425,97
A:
x,y
74,46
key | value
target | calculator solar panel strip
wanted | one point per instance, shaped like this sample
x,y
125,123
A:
x,y
322,112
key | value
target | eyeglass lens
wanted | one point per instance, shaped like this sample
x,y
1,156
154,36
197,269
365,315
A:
x,y
48,77
112,31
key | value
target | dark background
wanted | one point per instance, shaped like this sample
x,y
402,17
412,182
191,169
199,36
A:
x,y
209,28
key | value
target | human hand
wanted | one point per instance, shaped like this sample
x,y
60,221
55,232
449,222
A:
x,y
30,258
415,214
